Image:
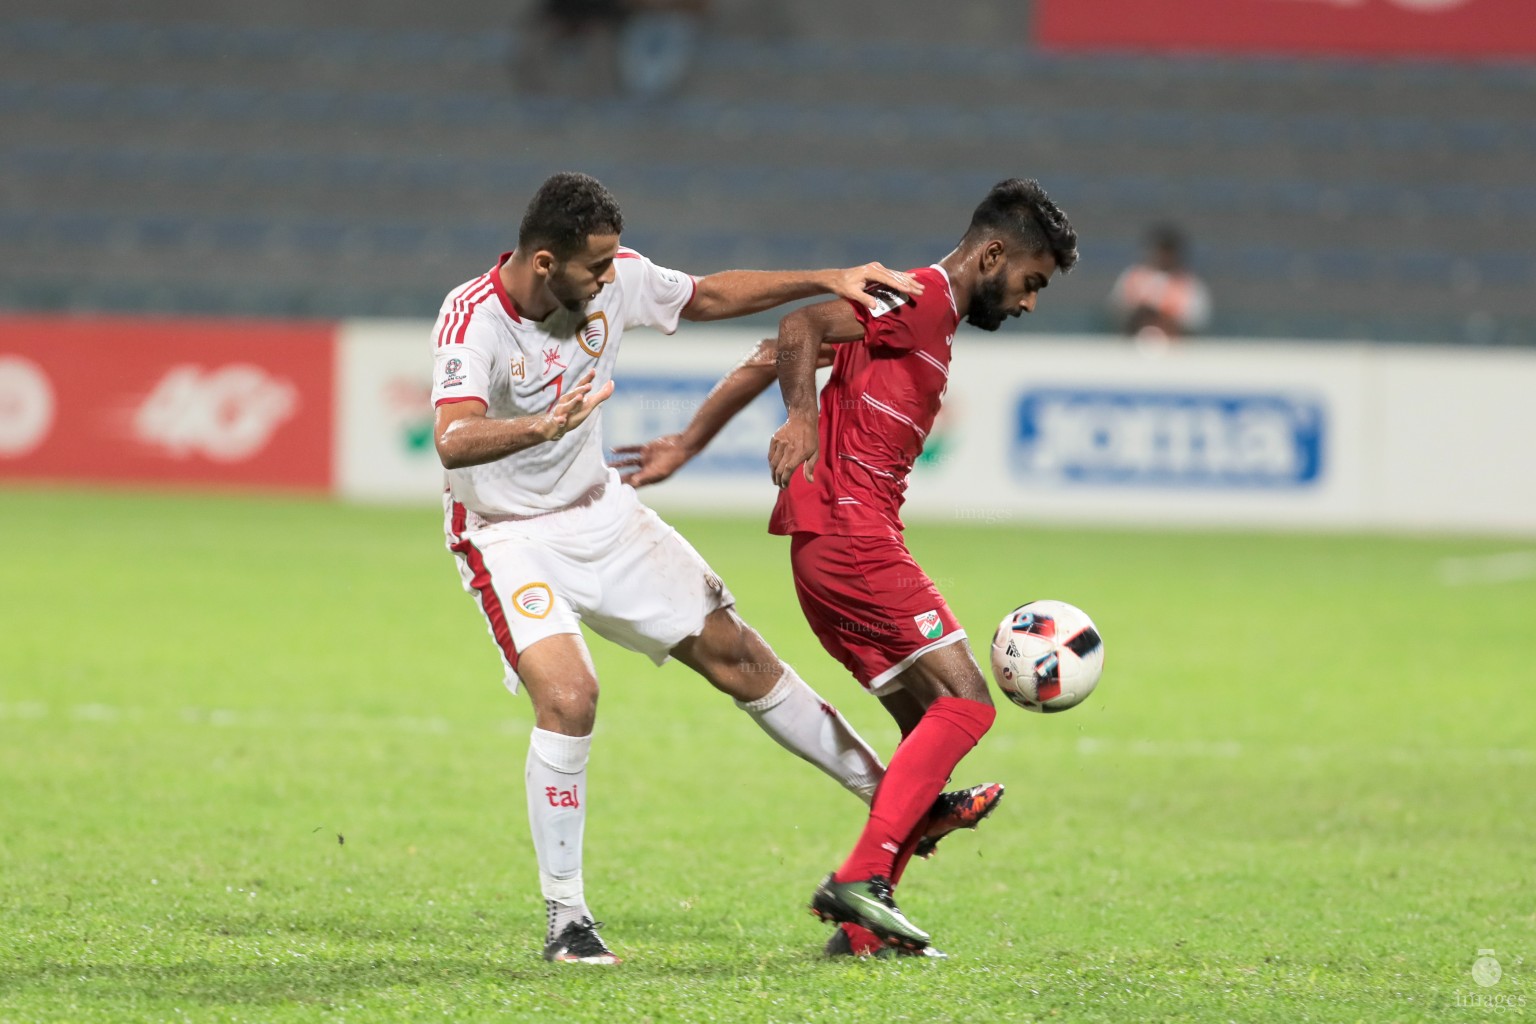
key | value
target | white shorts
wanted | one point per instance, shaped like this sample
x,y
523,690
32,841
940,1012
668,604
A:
x,y
614,565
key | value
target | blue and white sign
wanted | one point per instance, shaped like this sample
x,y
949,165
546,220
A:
x,y
1076,430
649,405
1175,439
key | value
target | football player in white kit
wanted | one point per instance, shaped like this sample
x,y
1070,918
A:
x,y
545,535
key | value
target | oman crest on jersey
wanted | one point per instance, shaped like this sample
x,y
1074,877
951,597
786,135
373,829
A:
x,y
593,334
929,624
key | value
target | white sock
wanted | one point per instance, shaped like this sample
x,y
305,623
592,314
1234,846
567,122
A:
x,y
556,778
810,728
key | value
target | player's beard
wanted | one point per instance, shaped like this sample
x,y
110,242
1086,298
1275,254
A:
x,y
573,300
986,309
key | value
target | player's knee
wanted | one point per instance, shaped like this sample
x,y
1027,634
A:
x,y
730,654
729,639
974,688
986,715
963,685
570,711
972,717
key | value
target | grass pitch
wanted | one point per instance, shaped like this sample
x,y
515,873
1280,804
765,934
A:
x,y
256,765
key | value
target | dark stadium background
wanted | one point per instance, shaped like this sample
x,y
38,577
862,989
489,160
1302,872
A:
x,y
310,159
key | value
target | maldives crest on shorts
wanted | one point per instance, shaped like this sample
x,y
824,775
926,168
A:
x,y
929,624
534,600
593,336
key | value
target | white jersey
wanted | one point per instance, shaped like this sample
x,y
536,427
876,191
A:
x,y
487,351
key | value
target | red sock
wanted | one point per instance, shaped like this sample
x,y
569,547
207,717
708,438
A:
x,y
908,848
918,770
862,941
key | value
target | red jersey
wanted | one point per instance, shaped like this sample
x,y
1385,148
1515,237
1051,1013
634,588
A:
x,y
876,412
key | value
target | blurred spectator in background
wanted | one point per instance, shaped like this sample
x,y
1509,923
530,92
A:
x,y
657,45
1160,298
642,48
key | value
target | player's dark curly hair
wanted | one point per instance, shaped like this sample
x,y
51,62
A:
x,y
1020,208
567,208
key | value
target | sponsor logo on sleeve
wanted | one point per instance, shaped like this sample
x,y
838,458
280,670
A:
x,y
886,299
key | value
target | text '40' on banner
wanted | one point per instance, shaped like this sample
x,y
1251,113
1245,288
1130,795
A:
x,y
1491,29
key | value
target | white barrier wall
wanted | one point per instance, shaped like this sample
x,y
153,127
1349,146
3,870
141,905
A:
x,y
383,438
1065,429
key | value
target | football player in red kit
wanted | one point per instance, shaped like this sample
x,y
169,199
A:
x,y
843,473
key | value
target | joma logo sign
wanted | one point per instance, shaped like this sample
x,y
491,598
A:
x,y
1177,439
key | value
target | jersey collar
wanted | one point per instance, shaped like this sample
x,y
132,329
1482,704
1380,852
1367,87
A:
x,y
953,306
501,292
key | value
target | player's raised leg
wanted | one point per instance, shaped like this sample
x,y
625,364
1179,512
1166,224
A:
x,y
958,713
962,808
557,673
738,661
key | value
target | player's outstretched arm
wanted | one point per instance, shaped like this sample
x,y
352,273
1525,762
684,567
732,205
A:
x,y
741,292
466,436
657,459
801,337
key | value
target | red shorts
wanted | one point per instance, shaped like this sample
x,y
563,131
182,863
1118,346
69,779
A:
x,y
870,604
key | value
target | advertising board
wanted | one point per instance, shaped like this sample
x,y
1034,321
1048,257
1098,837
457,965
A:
x,y
244,404
1467,29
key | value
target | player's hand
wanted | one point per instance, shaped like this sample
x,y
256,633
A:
x,y
793,444
851,284
652,462
572,408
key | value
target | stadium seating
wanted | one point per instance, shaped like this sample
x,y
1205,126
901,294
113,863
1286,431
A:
x,y
314,169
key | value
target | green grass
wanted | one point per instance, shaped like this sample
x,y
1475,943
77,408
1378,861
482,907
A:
x,y
1302,792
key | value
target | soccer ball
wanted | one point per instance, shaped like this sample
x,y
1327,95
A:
x,y
1047,656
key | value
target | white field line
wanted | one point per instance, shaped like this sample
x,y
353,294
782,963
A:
x,y
1484,570
1084,746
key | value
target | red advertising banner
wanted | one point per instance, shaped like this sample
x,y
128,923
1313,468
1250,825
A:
x,y
1491,29
193,402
